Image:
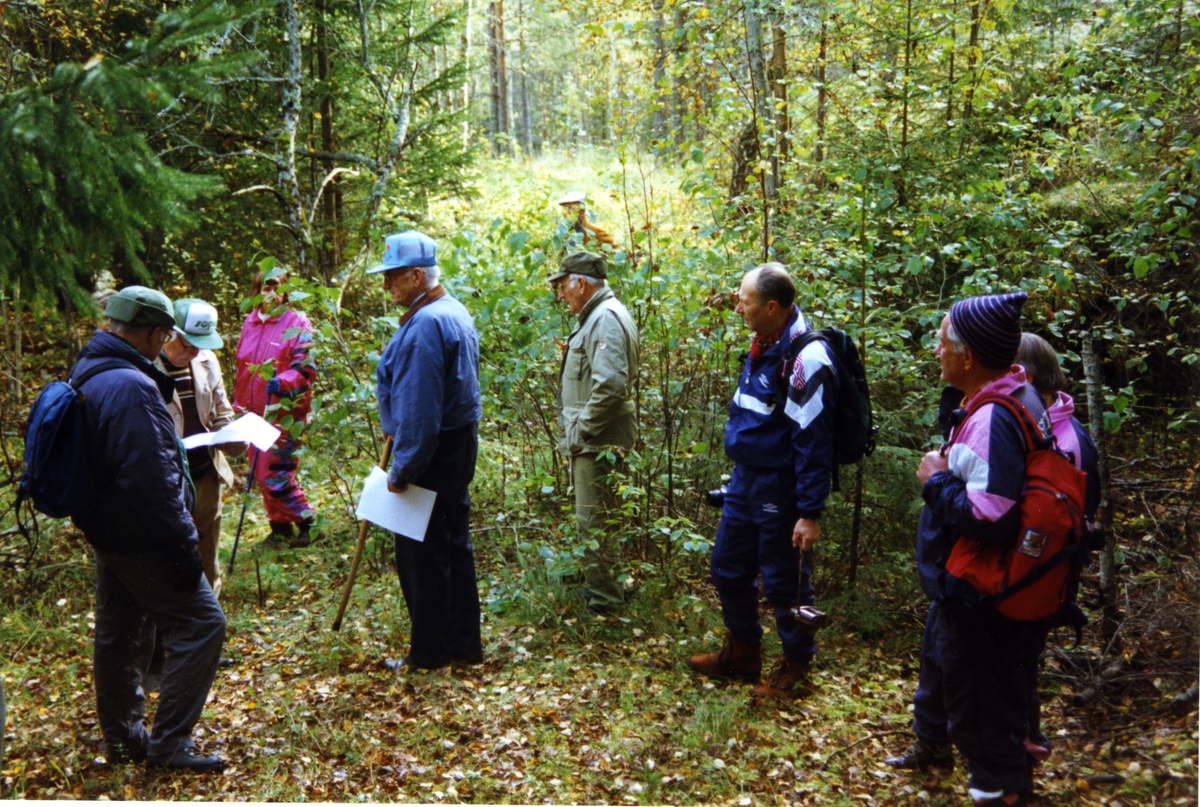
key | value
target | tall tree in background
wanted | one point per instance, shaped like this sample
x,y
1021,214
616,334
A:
x,y
498,74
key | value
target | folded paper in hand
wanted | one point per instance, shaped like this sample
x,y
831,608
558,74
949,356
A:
x,y
249,428
405,513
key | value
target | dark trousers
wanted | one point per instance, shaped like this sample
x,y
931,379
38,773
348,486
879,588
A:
x,y
130,591
437,575
974,691
755,537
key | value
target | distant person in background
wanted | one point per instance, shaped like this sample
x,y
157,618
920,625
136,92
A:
x,y
200,405
599,414
274,365
1043,371
429,402
583,233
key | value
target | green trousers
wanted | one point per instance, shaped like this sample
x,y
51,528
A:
x,y
594,501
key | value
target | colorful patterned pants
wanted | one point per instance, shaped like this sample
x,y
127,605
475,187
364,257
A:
x,y
275,472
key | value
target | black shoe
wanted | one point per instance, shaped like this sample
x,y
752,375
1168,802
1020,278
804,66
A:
x,y
123,753
923,754
226,662
468,660
187,758
281,529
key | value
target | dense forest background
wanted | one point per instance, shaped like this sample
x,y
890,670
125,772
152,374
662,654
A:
x,y
896,155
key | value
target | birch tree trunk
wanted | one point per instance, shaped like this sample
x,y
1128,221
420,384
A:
x,y
658,123
289,183
1095,396
468,86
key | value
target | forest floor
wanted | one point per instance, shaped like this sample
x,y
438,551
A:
x,y
567,708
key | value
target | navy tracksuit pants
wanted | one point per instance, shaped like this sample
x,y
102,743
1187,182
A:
x,y
974,691
755,537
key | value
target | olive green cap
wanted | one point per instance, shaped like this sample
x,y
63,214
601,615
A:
x,y
138,305
582,263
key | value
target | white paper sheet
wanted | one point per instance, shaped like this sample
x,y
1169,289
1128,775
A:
x,y
406,513
249,428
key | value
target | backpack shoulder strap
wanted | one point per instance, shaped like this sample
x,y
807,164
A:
x,y
1033,435
96,369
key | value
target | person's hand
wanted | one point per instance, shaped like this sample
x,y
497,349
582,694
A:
x,y
931,463
397,488
273,386
233,449
805,533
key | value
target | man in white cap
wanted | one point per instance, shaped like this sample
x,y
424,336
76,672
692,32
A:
x,y
200,405
427,384
583,233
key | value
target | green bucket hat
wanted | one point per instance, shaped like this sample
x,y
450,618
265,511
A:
x,y
138,305
582,263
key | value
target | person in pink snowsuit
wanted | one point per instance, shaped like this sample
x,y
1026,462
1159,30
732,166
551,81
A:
x,y
274,367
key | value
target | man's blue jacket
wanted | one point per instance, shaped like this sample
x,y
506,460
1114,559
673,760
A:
x,y
427,382
143,495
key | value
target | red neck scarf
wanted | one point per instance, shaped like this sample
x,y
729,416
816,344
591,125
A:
x,y
761,344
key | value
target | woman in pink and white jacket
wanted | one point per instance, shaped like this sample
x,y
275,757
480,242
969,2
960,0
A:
x,y
274,366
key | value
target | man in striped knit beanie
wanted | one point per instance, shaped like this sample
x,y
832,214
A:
x,y
971,693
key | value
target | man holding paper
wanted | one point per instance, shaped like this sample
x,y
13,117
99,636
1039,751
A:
x,y
200,405
429,402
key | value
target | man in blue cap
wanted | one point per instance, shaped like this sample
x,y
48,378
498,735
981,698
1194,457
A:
x,y
429,402
148,566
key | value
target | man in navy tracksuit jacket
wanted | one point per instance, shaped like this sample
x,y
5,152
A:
x,y
783,450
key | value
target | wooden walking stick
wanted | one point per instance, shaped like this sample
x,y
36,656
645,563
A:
x,y
362,542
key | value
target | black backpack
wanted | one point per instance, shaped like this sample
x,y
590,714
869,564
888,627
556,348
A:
x,y
853,423
54,474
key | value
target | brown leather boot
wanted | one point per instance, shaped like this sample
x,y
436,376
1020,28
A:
x,y
787,680
735,659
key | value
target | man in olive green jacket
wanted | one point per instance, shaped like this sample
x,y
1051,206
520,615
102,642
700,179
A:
x,y
599,375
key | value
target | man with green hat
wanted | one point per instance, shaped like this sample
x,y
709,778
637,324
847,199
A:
x,y
148,564
599,419
200,405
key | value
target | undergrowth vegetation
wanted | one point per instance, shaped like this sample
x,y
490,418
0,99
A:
x,y
570,707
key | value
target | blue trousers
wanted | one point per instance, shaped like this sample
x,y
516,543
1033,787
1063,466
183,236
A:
x,y
755,538
437,575
974,691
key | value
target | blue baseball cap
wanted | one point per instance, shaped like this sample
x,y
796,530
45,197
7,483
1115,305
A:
x,y
407,249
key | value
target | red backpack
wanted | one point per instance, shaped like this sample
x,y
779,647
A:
x,y
1028,579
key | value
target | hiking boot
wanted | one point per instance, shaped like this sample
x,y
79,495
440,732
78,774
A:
x,y
281,530
922,754
187,758
304,537
735,659
788,679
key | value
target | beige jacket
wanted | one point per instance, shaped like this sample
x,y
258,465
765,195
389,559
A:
x,y
599,378
211,401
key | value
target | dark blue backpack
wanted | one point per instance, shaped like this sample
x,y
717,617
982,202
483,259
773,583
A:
x,y
54,474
